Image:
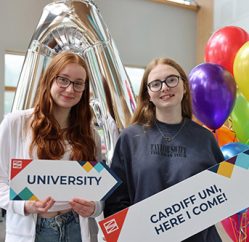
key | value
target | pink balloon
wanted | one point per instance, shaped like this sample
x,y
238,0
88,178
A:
x,y
237,226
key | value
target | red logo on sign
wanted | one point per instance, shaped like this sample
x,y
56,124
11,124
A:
x,y
17,164
111,226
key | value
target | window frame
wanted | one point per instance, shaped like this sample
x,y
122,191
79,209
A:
x,y
8,88
182,4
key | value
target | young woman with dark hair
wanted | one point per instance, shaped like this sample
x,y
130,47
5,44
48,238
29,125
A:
x,y
163,146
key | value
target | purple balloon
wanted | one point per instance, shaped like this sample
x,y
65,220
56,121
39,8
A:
x,y
213,92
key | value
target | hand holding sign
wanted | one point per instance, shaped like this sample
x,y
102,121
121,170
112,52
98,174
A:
x,y
82,207
39,207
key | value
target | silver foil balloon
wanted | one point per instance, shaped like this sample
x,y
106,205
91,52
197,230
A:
x,y
77,25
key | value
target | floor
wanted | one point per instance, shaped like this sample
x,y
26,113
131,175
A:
x,y
2,228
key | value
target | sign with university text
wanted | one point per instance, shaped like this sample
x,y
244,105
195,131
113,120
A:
x,y
186,208
60,179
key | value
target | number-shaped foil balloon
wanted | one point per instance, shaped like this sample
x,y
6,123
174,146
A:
x,y
77,25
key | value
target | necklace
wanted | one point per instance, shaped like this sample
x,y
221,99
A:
x,y
166,137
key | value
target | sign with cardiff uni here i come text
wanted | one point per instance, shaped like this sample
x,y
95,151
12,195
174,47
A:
x,y
186,208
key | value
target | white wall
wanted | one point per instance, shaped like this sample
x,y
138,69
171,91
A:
x,y
141,30
231,12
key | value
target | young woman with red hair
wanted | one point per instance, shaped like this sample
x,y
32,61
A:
x,y
58,127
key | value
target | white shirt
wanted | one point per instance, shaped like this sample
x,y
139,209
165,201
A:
x,y
15,138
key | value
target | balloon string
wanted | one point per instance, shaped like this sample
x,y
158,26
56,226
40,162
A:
x,y
243,229
234,232
246,225
231,128
230,123
215,135
240,227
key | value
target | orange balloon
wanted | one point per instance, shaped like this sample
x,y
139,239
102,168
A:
x,y
224,135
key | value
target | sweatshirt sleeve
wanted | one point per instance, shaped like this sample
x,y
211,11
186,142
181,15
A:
x,y
120,198
5,156
98,209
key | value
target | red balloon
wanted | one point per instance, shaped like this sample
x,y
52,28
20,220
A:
x,y
224,44
237,226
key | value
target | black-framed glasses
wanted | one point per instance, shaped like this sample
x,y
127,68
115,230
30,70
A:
x,y
170,81
64,82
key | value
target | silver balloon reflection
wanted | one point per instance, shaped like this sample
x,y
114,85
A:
x,y
77,25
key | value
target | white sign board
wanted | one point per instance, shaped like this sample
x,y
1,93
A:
x,y
186,208
60,179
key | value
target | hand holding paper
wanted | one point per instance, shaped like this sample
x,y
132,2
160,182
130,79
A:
x,y
83,207
38,206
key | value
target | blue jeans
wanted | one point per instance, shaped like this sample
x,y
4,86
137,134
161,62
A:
x,y
62,228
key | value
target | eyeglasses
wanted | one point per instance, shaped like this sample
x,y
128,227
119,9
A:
x,y
170,81
64,82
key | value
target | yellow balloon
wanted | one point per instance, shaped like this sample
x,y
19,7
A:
x,y
241,69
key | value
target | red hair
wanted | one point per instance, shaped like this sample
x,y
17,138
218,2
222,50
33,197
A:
x,y
48,139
